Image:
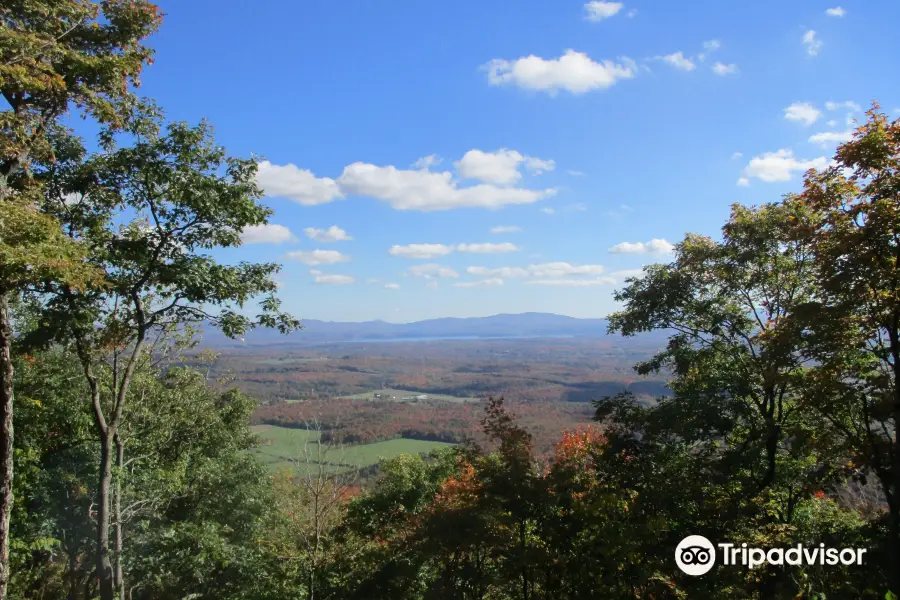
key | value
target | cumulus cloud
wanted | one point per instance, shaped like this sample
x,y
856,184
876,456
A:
x,y
743,182
548,211
563,269
500,167
426,162
709,47
420,250
812,43
332,234
392,286
432,271
831,138
429,191
267,234
736,155
548,270
487,248
849,105
654,246
802,112
574,72
506,229
575,173
294,183
837,11
482,283
434,250
500,272
722,69
599,10
780,165
679,61
317,257
322,279
573,282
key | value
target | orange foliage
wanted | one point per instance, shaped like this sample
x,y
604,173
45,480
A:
x,y
577,443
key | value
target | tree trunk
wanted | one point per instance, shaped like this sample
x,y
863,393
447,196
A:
x,y
6,439
119,578
104,564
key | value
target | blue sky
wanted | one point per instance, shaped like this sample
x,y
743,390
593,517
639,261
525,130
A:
x,y
603,131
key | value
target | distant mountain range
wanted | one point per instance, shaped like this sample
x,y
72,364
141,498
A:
x,y
525,325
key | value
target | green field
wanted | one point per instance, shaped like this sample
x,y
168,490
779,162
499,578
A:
x,y
288,446
398,396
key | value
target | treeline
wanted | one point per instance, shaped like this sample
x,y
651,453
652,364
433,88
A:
x,y
362,422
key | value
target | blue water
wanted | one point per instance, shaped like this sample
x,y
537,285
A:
x,y
455,337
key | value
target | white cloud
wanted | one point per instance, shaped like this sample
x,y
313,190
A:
x,y
712,45
501,272
500,167
802,112
632,13
831,123
427,162
574,173
577,207
483,282
294,183
736,155
488,248
506,229
420,250
830,138
849,105
563,269
548,270
813,44
743,182
373,280
538,166
837,11
432,271
267,234
317,257
323,279
573,282
599,10
574,72
429,191
780,165
679,61
392,286
548,211
723,69
654,246
332,234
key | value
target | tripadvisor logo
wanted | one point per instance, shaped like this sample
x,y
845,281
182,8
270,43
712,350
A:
x,y
696,555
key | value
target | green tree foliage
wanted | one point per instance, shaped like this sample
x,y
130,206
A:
x,y
185,195
195,503
852,326
53,54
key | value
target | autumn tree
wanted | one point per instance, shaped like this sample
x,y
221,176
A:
x,y
53,54
852,325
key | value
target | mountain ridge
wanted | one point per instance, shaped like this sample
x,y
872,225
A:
x,y
505,325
